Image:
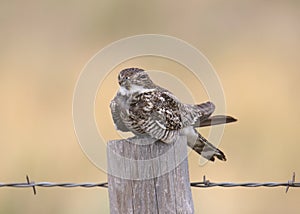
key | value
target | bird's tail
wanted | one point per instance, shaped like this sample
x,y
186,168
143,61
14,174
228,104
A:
x,y
214,120
207,150
206,119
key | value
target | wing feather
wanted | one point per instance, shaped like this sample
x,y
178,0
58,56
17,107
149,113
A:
x,y
115,109
160,115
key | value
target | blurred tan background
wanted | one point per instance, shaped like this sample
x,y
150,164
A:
x,y
253,46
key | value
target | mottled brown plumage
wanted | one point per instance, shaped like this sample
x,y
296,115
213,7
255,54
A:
x,y
144,108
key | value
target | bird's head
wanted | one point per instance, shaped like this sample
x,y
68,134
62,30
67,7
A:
x,y
131,77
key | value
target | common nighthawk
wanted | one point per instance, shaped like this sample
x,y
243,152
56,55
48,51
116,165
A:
x,y
144,108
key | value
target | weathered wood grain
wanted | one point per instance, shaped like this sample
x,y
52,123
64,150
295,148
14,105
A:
x,y
148,177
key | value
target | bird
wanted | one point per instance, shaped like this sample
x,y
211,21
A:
x,y
146,109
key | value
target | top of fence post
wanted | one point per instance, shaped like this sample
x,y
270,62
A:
x,y
148,177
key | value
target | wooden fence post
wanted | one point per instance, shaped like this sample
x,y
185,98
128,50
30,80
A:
x,y
148,177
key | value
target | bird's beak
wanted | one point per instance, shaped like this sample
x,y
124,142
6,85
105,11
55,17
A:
x,y
123,82
120,82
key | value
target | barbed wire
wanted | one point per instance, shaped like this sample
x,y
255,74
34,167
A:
x,y
203,184
206,183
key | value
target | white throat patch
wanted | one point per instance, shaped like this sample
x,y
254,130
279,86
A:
x,y
133,89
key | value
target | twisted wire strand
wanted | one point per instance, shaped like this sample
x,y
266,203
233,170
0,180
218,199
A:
x,y
50,184
105,184
250,184
203,184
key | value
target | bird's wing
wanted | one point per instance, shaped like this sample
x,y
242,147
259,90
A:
x,y
206,109
160,115
207,120
115,109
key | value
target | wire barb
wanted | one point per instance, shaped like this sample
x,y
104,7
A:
x,y
31,184
291,183
205,182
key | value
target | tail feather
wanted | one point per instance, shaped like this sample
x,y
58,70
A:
x,y
215,120
206,119
207,150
